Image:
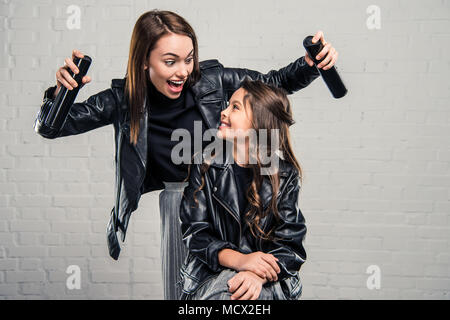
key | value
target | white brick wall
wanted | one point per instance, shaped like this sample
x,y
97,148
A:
x,y
376,163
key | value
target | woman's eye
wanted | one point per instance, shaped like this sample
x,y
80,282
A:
x,y
235,107
189,60
169,63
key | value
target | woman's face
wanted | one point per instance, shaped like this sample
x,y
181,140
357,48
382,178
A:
x,y
170,63
235,117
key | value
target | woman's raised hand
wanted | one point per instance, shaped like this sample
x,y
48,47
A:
x,y
328,51
262,264
63,77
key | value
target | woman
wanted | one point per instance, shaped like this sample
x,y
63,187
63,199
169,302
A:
x,y
165,87
244,242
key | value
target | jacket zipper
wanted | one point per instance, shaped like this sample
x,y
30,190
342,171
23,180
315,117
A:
x,y
133,147
226,208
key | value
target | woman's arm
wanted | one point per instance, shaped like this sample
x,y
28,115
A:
x,y
293,77
97,111
198,234
297,75
290,232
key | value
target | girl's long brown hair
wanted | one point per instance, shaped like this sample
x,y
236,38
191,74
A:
x,y
149,28
271,110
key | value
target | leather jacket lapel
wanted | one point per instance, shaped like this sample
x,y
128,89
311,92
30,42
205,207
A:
x,y
225,195
142,144
225,188
133,165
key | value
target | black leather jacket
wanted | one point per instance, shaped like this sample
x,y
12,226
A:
x,y
214,223
211,94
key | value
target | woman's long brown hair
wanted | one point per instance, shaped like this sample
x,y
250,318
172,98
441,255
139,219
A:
x,y
271,110
149,28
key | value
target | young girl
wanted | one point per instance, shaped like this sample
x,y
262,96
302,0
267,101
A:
x,y
165,88
243,229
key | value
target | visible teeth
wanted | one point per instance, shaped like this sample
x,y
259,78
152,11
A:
x,y
176,82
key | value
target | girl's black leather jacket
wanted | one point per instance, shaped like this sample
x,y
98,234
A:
x,y
213,223
211,94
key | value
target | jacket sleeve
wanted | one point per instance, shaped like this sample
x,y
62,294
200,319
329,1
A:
x,y
291,78
196,224
97,111
290,232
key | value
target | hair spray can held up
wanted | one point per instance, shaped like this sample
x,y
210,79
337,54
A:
x,y
330,76
65,98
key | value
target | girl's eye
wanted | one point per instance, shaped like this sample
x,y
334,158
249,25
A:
x,y
169,63
189,60
235,107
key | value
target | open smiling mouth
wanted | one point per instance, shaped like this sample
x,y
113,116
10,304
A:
x,y
176,84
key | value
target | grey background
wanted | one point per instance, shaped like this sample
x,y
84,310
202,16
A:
x,y
376,163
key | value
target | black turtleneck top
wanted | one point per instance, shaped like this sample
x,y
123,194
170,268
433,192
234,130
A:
x,y
166,115
244,177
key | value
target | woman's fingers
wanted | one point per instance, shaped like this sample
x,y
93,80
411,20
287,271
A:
x,y
86,79
69,63
77,53
61,79
318,36
333,61
308,60
66,75
63,76
326,52
328,58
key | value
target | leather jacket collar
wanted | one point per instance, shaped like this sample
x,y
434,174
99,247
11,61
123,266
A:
x,y
225,177
214,223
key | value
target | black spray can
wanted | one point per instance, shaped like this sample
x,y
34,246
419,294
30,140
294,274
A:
x,y
65,98
330,76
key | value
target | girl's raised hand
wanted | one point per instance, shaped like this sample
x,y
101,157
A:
x,y
63,77
328,51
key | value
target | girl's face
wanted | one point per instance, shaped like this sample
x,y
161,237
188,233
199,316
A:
x,y
235,117
170,64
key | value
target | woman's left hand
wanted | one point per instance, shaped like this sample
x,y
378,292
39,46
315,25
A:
x,y
328,51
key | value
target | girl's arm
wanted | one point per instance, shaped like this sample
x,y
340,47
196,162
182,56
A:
x,y
290,233
262,264
198,233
